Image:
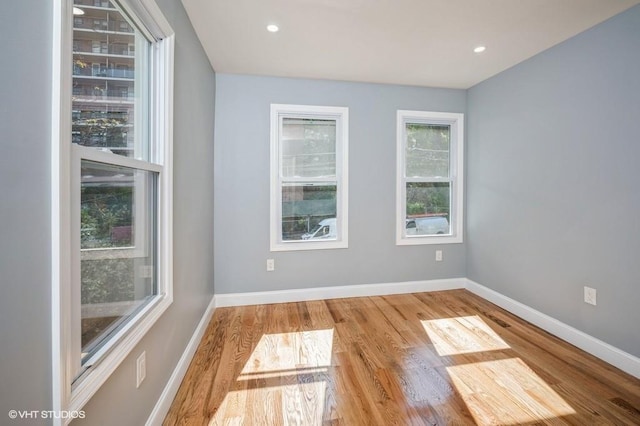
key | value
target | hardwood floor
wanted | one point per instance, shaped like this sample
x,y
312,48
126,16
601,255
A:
x,y
442,358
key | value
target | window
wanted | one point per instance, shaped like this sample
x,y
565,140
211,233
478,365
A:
x,y
309,146
430,178
114,184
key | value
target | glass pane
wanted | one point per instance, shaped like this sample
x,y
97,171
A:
x,y
428,208
308,148
309,212
118,248
110,91
427,150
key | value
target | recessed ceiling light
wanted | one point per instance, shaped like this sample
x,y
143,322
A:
x,y
480,49
78,11
272,28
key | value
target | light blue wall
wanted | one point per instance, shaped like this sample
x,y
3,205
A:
x,y
25,258
242,187
551,186
552,181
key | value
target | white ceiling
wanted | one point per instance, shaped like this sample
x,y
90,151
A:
x,y
414,42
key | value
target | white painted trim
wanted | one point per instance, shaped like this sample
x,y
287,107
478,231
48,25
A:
x,y
60,202
341,116
147,15
456,176
163,405
337,292
92,154
606,352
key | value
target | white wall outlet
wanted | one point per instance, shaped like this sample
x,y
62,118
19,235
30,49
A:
x,y
590,295
271,265
141,368
438,255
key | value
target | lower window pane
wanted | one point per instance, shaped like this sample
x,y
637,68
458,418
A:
x,y
118,249
428,205
309,212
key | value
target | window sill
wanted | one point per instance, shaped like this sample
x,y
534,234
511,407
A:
x,y
96,375
434,239
309,245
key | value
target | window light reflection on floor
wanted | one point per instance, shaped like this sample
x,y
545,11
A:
x,y
462,335
282,381
506,392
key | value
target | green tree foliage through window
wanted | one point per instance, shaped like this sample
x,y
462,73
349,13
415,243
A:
x,y
104,212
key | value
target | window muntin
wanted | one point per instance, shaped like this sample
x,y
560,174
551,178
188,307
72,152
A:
x,y
429,187
308,185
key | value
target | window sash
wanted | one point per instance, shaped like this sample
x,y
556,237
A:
x,y
278,180
455,176
78,154
68,394
141,255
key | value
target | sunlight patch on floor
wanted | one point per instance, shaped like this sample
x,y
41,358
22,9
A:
x,y
282,382
286,351
462,335
506,392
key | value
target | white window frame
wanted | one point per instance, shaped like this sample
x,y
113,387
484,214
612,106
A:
x,y
455,178
341,116
71,393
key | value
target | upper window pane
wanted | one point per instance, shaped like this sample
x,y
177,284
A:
x,y
308,148
110,87
427,150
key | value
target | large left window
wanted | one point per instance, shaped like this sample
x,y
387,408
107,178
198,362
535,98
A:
x,y
118,87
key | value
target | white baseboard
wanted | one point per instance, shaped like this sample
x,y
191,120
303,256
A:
x,y
606,352
171,389
338,292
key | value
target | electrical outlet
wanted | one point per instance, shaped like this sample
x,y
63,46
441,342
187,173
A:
x,y
141,368
590,295
271,265
438,255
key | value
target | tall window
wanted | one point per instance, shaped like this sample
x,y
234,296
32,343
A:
x,y
119,197
430,178
309,146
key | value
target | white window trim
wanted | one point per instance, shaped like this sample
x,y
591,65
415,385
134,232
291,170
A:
x,y
341,115
67,394
456,215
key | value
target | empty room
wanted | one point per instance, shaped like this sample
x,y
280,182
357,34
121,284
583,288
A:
x,y
320,212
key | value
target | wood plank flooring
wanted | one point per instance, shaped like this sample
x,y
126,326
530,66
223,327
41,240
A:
x,y
442,358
